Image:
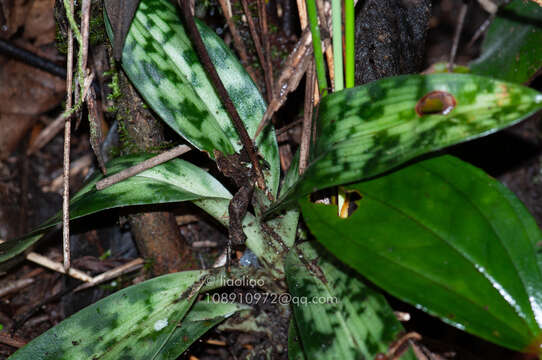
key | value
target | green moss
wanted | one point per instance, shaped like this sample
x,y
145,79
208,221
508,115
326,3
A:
x,y
61,43
127,143
114,84
97,33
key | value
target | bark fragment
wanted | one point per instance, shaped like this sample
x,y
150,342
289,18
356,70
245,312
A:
x,y
390,38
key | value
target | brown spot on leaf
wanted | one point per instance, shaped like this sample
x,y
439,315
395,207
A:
x,y
436,102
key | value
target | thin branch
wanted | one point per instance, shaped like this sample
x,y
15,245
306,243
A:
x,y
257,44
12,341
111,274
457,35
31,59
15,285
67,134
56,266
47,134
307,120
237,42
268,72
481,30
85,29
142,166
349,42
302,10
222,92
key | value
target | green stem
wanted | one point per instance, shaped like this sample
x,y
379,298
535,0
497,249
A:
x,y
337,44
349,41
317,44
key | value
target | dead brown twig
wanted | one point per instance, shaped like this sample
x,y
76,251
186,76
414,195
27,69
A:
x,y
76,167
222,92
142,166
47,134
258,46
457,35
12,341
307,119
262,10
111,274
15,285
237,42
67,134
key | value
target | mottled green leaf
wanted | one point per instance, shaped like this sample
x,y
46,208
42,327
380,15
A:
x,y
261,239
160,61
203,316
295,352
173,181
133,323
512,48
370,129
447,238
338,317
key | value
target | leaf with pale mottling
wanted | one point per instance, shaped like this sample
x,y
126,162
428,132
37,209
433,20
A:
x,y
159,59
173,181
338,317
133,323
368,130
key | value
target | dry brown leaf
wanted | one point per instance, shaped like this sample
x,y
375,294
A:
x,y
15,12
39,27
27,90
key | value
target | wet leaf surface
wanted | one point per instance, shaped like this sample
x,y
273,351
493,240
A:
x,y
371,129
447,238
173,181
341,318
512,48
159,59
142,321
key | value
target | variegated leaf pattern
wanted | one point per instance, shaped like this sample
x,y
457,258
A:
x,y
133,323
370,129
173,181
203,316
159,59
342,318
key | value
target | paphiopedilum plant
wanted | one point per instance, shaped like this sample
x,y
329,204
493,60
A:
x,y
438,233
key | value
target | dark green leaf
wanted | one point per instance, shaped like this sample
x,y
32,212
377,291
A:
x,y
338,317
133,323
203,316
512,48
449,239
367,130
175,180
295,352
160,61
